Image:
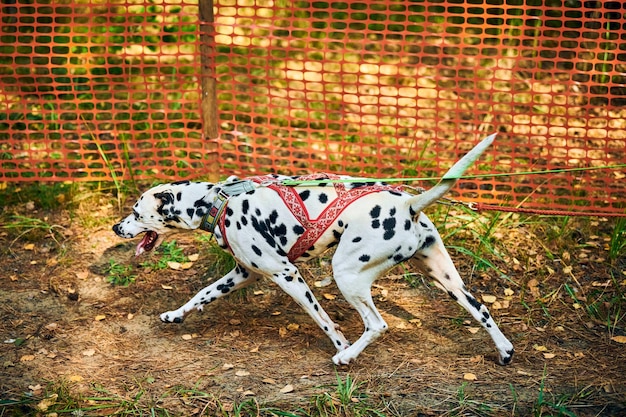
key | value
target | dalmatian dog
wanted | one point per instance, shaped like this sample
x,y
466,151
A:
x,y
271,223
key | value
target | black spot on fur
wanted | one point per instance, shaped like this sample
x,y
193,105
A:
x,y
305,194
389,225
297,229
245,206
375,212
309,297
323,198
364,258
407,224
257,250
477,305
357,239
451,294
428,242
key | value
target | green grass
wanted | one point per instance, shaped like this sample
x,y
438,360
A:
x,y
118,274
167,252
617,244
32,228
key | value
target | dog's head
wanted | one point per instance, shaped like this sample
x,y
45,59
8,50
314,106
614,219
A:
x,y
162,209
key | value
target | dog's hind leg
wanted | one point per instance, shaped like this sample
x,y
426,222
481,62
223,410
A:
x,y
239,277
356,289
433,259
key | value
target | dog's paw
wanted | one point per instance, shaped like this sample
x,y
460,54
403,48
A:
x,y
506,357
343,358
171,317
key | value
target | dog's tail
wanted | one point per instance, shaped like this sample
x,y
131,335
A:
x,y
421,201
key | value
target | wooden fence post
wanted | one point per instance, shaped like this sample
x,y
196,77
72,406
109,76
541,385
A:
x,y
208,104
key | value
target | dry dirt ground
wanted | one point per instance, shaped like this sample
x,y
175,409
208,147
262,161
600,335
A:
x,y
73,344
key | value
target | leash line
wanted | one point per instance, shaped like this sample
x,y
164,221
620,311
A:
x,y
461,177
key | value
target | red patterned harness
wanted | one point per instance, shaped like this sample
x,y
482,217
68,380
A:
x,y
314,228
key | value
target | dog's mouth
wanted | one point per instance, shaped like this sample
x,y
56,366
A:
x,y
148,242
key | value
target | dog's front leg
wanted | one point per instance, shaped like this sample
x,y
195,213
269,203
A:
x,y
291,281
237,278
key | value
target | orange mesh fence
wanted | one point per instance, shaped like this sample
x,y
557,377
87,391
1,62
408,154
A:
x,y
376,88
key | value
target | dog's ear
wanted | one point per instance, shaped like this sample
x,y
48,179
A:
x,y
167,209
167,198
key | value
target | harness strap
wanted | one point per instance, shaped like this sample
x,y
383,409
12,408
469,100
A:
x,y
314,228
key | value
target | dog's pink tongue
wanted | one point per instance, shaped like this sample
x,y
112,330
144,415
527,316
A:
x,y
147,243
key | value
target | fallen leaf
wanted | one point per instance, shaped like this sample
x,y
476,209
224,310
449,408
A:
x,y
258,292
242,373
29,246
473,330
194,257
269,381
227,366
248,393
166,287
619,339
286,389
469,377
82,274
276,313
75,378
35,387
329,296
234,322
186,265
89,352
282,332
100,317
540,348
416,322
533,287
293,327
187,337
254,350
27,358
488,298
47,402
508,292
549,355
174,265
